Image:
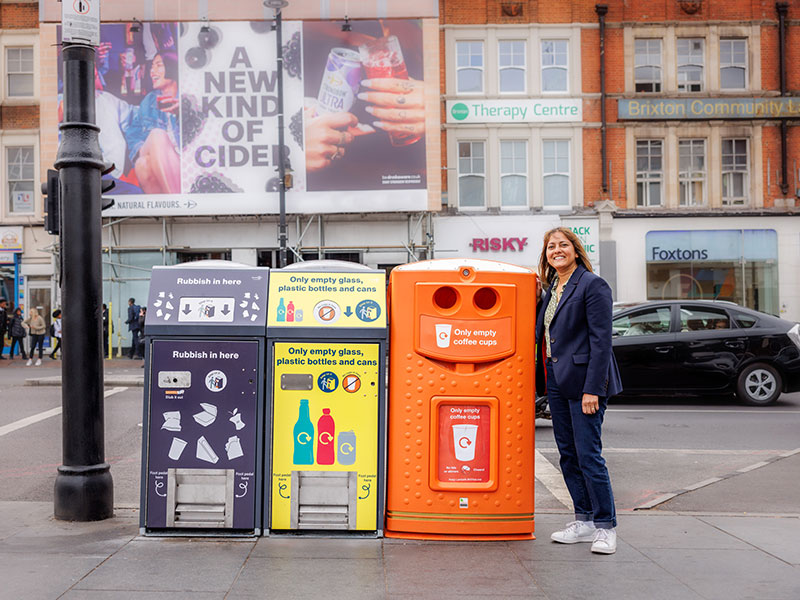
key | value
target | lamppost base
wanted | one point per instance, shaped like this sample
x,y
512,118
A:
x,y
84,493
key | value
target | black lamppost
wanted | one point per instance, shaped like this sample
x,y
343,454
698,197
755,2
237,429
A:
x,y
84,490
277,6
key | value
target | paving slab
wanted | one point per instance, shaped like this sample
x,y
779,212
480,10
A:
x,y
32,576
726,574
354,579
171,564
777,536
304,547
675,531
417,570
131,595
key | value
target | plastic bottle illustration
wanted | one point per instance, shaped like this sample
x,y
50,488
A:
x,y
281,311
290,311
346,448
326,430
303,437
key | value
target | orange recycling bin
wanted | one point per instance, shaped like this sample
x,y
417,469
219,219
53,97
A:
x,y
461,400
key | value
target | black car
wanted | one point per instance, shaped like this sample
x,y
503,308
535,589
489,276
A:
x,y
706,347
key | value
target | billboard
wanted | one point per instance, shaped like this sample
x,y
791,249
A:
x,y
188,113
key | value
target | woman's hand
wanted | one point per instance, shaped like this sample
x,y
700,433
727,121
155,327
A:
x,y
326,139
398,104
168,104
590,404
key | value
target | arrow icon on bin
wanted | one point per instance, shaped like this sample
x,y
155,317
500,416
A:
x,y
348,312
186,309
464,442
225,310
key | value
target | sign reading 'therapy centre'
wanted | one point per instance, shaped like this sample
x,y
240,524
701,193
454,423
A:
x,y
561,110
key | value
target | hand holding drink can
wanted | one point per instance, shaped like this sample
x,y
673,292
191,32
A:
x,y
398,100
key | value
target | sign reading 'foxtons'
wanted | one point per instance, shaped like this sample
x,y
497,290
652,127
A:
x,y
708,108
514,111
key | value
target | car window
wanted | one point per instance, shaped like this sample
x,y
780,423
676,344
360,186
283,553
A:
x,y
744,321
695,318
643,322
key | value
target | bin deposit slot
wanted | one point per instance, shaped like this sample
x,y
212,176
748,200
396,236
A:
x,y
200,498
297,381
208,310
174,379
323,500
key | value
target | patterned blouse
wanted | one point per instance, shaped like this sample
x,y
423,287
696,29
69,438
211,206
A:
x,y
550,311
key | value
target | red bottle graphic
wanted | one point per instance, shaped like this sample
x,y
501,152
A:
x,y
290,311
326,448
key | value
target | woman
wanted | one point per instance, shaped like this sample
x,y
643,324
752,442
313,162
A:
x,y
38,328
56,332
17,331
577,366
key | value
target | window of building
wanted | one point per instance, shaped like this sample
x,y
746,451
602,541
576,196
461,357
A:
x,y
692,172
513,173
555,172
554,65
511,57
469,67
471,174
649,172
734,171
733,64
690,64
19,72
647,61
20,175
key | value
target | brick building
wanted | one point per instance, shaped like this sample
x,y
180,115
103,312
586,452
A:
x,y
688,188
26,263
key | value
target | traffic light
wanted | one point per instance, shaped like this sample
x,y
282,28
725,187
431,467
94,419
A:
x,y
52,203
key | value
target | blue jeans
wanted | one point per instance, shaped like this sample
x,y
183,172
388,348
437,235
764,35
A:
x,y
582,465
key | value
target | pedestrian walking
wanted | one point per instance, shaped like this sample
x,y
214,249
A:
x,y
55,332
576,366
133,326
17,330
142,319
3,325
106,324
37,328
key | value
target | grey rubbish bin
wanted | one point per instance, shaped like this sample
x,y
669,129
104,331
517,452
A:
x,y
203,436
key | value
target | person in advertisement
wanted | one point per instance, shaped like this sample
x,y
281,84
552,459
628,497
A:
x,y
577,370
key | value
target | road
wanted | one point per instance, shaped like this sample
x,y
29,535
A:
x,y
654,447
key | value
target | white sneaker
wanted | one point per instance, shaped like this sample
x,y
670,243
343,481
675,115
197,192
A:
x,y
38,362
576,531
29,363
605,541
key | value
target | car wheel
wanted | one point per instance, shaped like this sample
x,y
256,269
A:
x,y
759,384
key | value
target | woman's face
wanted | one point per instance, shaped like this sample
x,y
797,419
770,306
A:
x,y
158,73
560,252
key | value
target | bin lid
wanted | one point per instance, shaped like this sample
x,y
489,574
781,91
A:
x,y
336,266
208,296
455,264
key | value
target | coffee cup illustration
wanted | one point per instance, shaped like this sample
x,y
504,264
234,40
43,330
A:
x,y
464,439
443,335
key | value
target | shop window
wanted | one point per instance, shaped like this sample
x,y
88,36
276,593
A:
x,y
647,65
469,67
690,64
734,172
554,65
20,176
513,173
692,172
649,172
555,172
471,174
703,319
511,57
733,64
645,322
19,72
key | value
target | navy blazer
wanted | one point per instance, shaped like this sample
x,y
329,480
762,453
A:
x,y
580,339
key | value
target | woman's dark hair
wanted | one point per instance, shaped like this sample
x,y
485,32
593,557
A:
x,y
170,65
56,313
18,310
546,272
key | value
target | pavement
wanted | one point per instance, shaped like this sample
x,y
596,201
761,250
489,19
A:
x,y
676,550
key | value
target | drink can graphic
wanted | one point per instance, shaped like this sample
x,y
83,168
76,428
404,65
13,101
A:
x,y
464,437
340,81
346,448
443,335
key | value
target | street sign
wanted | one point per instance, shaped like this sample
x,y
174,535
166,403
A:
x,y
80,21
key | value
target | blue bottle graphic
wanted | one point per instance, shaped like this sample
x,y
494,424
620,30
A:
x,y
303,437
281,311
346,448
